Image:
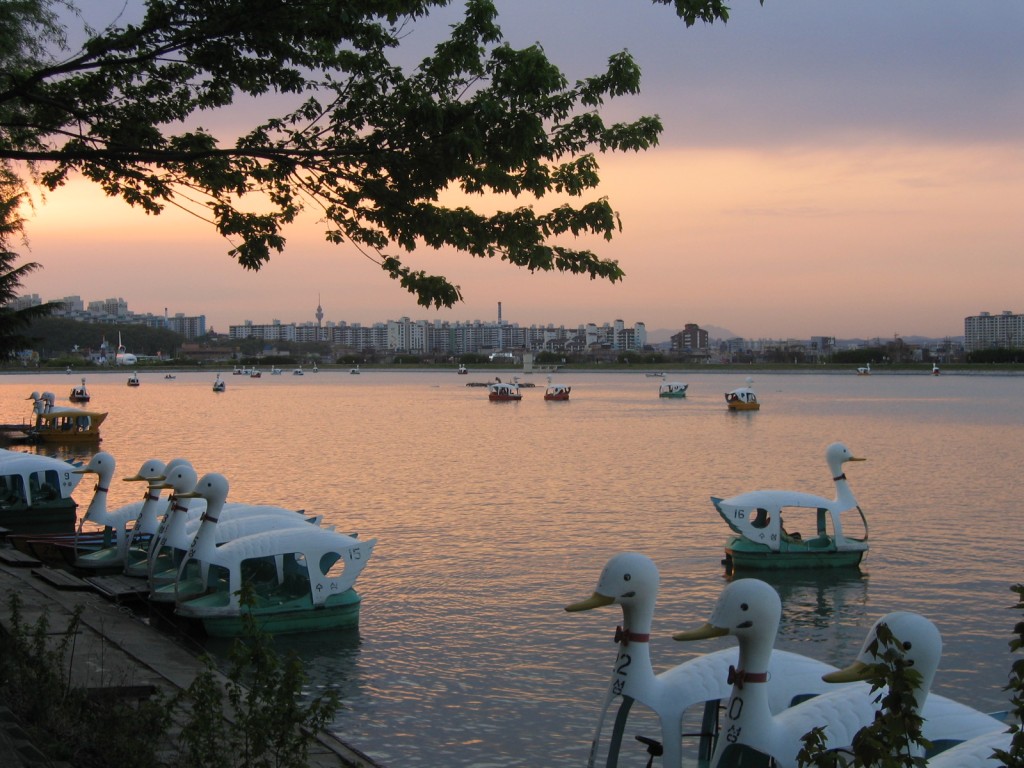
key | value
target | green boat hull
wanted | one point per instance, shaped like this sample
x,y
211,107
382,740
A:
x,y
341,612
742,554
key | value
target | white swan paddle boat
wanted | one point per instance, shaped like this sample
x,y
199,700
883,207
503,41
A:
x,y
673,389
742,398
558,393
302,577
36,494
133,380
111,549
218,524
864,370
59,424
80,394
631,580
760,539
219,385
504,391
750,610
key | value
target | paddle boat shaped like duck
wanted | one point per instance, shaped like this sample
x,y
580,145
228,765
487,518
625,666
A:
x,y
750,611
79,394
59,424
631,580
742,399
36,494
673,389
301,578
504,391
760,539
558,393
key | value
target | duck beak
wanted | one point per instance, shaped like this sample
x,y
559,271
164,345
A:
x,y
701,633
853,673
596,600
856,458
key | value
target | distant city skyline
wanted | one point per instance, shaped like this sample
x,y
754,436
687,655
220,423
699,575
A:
x,y
845,168
319,315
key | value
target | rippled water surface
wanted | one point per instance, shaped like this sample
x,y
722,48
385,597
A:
x,y
491,517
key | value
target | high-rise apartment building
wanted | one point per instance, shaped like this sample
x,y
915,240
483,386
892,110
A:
x,y
988,331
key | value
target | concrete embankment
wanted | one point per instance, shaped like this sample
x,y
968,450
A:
x,y
116,649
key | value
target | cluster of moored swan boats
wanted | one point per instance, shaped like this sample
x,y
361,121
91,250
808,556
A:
x,y
194,550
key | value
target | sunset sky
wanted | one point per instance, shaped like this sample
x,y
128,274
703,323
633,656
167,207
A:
x,y
850,169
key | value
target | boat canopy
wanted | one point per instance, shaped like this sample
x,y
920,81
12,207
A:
x,y
310,562
741,394
43,477
758,516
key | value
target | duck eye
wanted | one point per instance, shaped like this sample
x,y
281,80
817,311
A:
x,y
743,606
907,646
627,577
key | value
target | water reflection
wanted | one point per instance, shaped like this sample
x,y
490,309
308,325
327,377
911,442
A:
x,y
491,519
824,611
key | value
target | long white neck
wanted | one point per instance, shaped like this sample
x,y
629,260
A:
x,y
634,674
205,541
748,717
149,516
844,496
97,511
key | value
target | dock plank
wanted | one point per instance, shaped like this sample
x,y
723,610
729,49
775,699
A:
x,y
18,559
61,579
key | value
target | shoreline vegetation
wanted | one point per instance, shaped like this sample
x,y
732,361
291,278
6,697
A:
x,y
542,370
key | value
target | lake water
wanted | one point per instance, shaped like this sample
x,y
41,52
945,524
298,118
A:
x,y
491,517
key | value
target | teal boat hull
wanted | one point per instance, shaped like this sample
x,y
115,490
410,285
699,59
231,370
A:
x,y
341,612
742,554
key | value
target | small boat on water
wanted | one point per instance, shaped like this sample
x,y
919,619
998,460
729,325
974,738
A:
x,y
79,394
170,376
655,375
302,581
557,392
764,524
298,372
133,380
864,370
355,371
675,389
35,493
274,371
504,392
935,370
742,398
301,575
255,373
219,385
59,424
463,370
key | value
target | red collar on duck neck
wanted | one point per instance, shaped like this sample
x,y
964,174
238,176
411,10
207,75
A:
x,y
626,637
738,677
